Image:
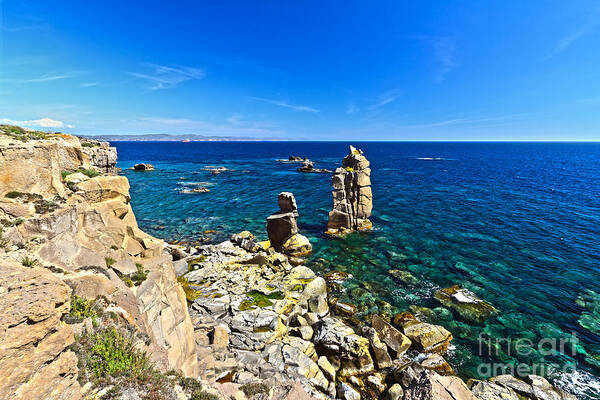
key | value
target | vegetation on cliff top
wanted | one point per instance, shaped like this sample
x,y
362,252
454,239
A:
x,y
16,132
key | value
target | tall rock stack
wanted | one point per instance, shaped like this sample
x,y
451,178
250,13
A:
x,y
352,196
282,228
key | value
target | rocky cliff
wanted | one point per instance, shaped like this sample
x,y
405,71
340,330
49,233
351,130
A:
x,y
68,232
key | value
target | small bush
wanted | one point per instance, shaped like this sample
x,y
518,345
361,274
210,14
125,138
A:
x,y
88,144
64,174
81,309
14,195
200,395
28,262
109,261
251,389
110,353
190,384
45,206
19,221
140,276
90,173
3,241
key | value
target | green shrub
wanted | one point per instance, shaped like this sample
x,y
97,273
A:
x,y
139,276
28,262
45,206
190,384
109,261
18,221
81,309
200,395
64,174
90,173
14,195
88,144
251,389
110,353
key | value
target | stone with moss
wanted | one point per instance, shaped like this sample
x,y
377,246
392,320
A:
x,y
465,303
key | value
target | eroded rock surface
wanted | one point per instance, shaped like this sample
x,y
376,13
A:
x,y
352,196
34,358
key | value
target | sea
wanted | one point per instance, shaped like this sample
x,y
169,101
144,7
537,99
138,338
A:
x,y
518,224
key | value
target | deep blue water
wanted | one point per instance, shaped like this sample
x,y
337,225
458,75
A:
x,y
516,223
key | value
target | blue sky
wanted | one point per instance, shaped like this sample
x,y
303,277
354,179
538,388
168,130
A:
x,y
324,70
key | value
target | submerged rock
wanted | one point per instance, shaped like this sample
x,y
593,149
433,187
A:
x,y
352,197
201,189
465,303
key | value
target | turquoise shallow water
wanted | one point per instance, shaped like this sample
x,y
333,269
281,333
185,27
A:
x,y
516,223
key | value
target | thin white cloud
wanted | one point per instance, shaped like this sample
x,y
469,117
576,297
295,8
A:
x,y
286,104
167,77
467,121
42,123
444,50
587,27
386,98
88,84
39,79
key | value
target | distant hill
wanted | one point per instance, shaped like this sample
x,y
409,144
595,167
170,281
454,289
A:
x,y
164,137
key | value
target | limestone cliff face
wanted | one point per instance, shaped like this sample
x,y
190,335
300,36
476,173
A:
x,y
84,231
352,196
34,360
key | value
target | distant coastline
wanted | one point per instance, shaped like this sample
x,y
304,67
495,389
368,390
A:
x,y
165,137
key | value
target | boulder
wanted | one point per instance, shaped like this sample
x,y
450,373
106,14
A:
x,y
465,303
543,390
378,349
427,385
395,392
509,381
437,363
490,391
143,167
429,338
347,392
280,228
287,203
352,196
333,337
391,336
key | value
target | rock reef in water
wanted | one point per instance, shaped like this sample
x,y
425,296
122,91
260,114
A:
x,y
309,167
352,196
143,167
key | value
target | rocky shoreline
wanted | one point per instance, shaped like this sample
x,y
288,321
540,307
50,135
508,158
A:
x,y
97,308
